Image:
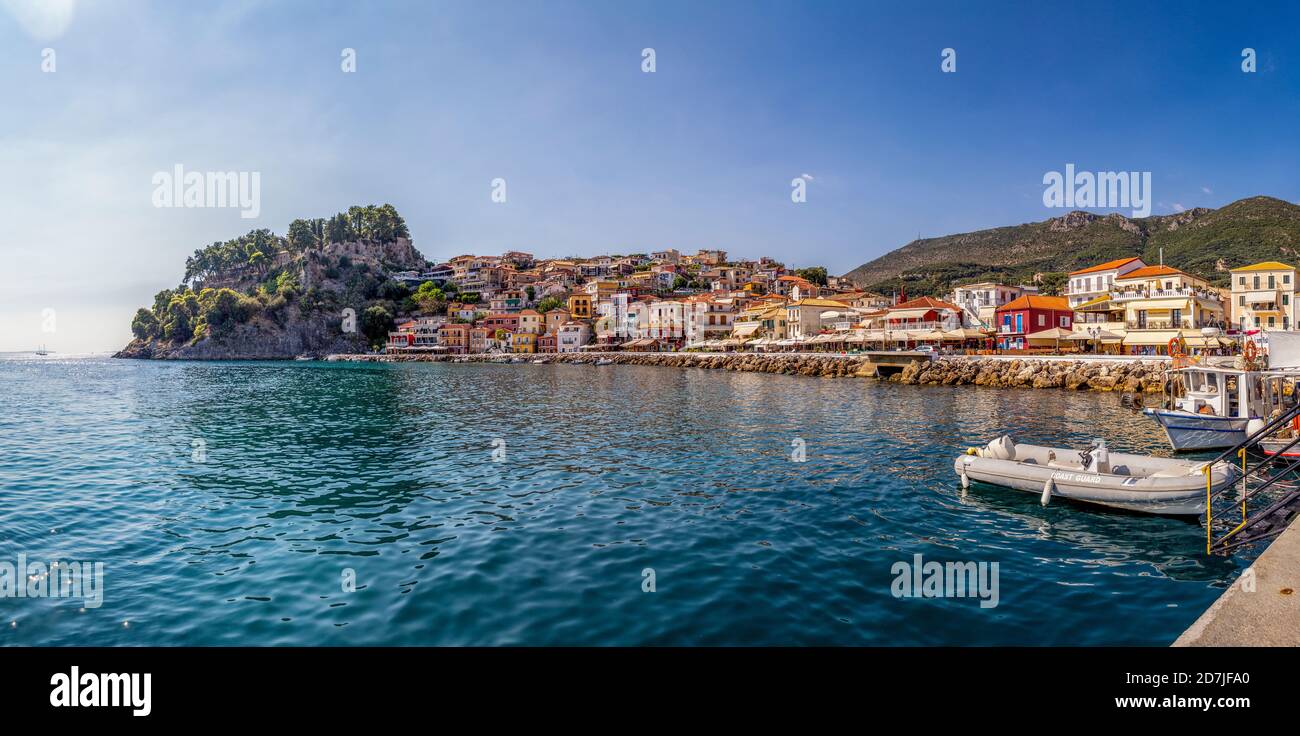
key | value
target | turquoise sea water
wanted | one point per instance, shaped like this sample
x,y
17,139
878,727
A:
x,y
231,501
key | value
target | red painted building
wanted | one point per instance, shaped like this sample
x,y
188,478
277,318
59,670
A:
x,y
1018,320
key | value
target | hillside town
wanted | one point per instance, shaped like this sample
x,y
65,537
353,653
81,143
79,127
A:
x,y
670,301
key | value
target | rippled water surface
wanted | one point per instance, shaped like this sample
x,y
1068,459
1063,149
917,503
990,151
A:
x,y
229,501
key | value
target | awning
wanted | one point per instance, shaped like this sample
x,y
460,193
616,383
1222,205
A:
x,y
1055,333
1100,304
1151,337
965,333
930,335
832,315
1208,342
746,329
907,313
1103,335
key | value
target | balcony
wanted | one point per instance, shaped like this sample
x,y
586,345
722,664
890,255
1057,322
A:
x,y
1165,294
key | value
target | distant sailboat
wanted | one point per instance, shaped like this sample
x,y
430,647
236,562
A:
x,y
42,351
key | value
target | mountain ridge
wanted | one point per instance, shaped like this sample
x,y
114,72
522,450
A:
x,y
1203,241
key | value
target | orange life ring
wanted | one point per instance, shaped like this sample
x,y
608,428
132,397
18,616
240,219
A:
x,y
1175,345
1252,351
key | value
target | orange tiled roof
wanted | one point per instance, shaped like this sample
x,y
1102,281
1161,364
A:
x,y
1108,265
926,302
1037,301
1151,271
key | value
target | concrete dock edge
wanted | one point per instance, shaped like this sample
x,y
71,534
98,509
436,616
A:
x,y
1261,608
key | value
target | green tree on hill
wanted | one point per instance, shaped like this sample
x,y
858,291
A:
x,y
376,323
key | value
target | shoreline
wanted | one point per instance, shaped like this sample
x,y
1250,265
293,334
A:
x,y
1093,373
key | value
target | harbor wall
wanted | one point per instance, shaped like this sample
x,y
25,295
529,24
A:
x,y
1261,607
1095,375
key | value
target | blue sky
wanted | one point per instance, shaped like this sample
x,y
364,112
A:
x,y
597,155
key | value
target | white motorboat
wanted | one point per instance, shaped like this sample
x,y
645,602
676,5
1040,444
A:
x,y
604,361
1152,485
1211,407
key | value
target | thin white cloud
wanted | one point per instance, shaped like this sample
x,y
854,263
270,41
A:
x,y
1207,190
1178,207
43,20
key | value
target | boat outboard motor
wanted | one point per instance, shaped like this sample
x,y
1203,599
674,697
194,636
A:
x,y
1002,448
1098,458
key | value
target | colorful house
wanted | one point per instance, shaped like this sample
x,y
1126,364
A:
x,y
580,306
1162,303
1019,319
454,337
1263,296
1093,282
523,342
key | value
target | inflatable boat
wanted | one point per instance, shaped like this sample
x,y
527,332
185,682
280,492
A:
x,y
1152,485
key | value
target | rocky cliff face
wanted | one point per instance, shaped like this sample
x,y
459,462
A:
x,y
292,304
315,336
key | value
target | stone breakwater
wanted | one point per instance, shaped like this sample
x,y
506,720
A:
x,y
1074,375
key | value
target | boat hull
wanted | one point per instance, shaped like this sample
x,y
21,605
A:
x,y
1189,431
1275,447
1171,487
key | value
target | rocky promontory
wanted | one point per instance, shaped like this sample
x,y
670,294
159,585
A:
x,y
326,287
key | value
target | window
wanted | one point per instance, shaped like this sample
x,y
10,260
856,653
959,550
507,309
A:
x,y
1042,320
1272,321
1065,322
1241,281
1241,300
1286,300
1020,322
1286,278
1272,281
1257,282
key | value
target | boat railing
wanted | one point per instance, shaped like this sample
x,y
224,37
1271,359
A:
x,y
1275,472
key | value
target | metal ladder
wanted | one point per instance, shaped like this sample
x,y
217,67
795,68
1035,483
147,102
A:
x,y
1271,486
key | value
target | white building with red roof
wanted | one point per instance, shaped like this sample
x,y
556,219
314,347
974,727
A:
x,y
1089,283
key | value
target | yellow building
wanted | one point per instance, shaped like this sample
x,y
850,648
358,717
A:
x,y
1263,296
523,342
580,306
1161,303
